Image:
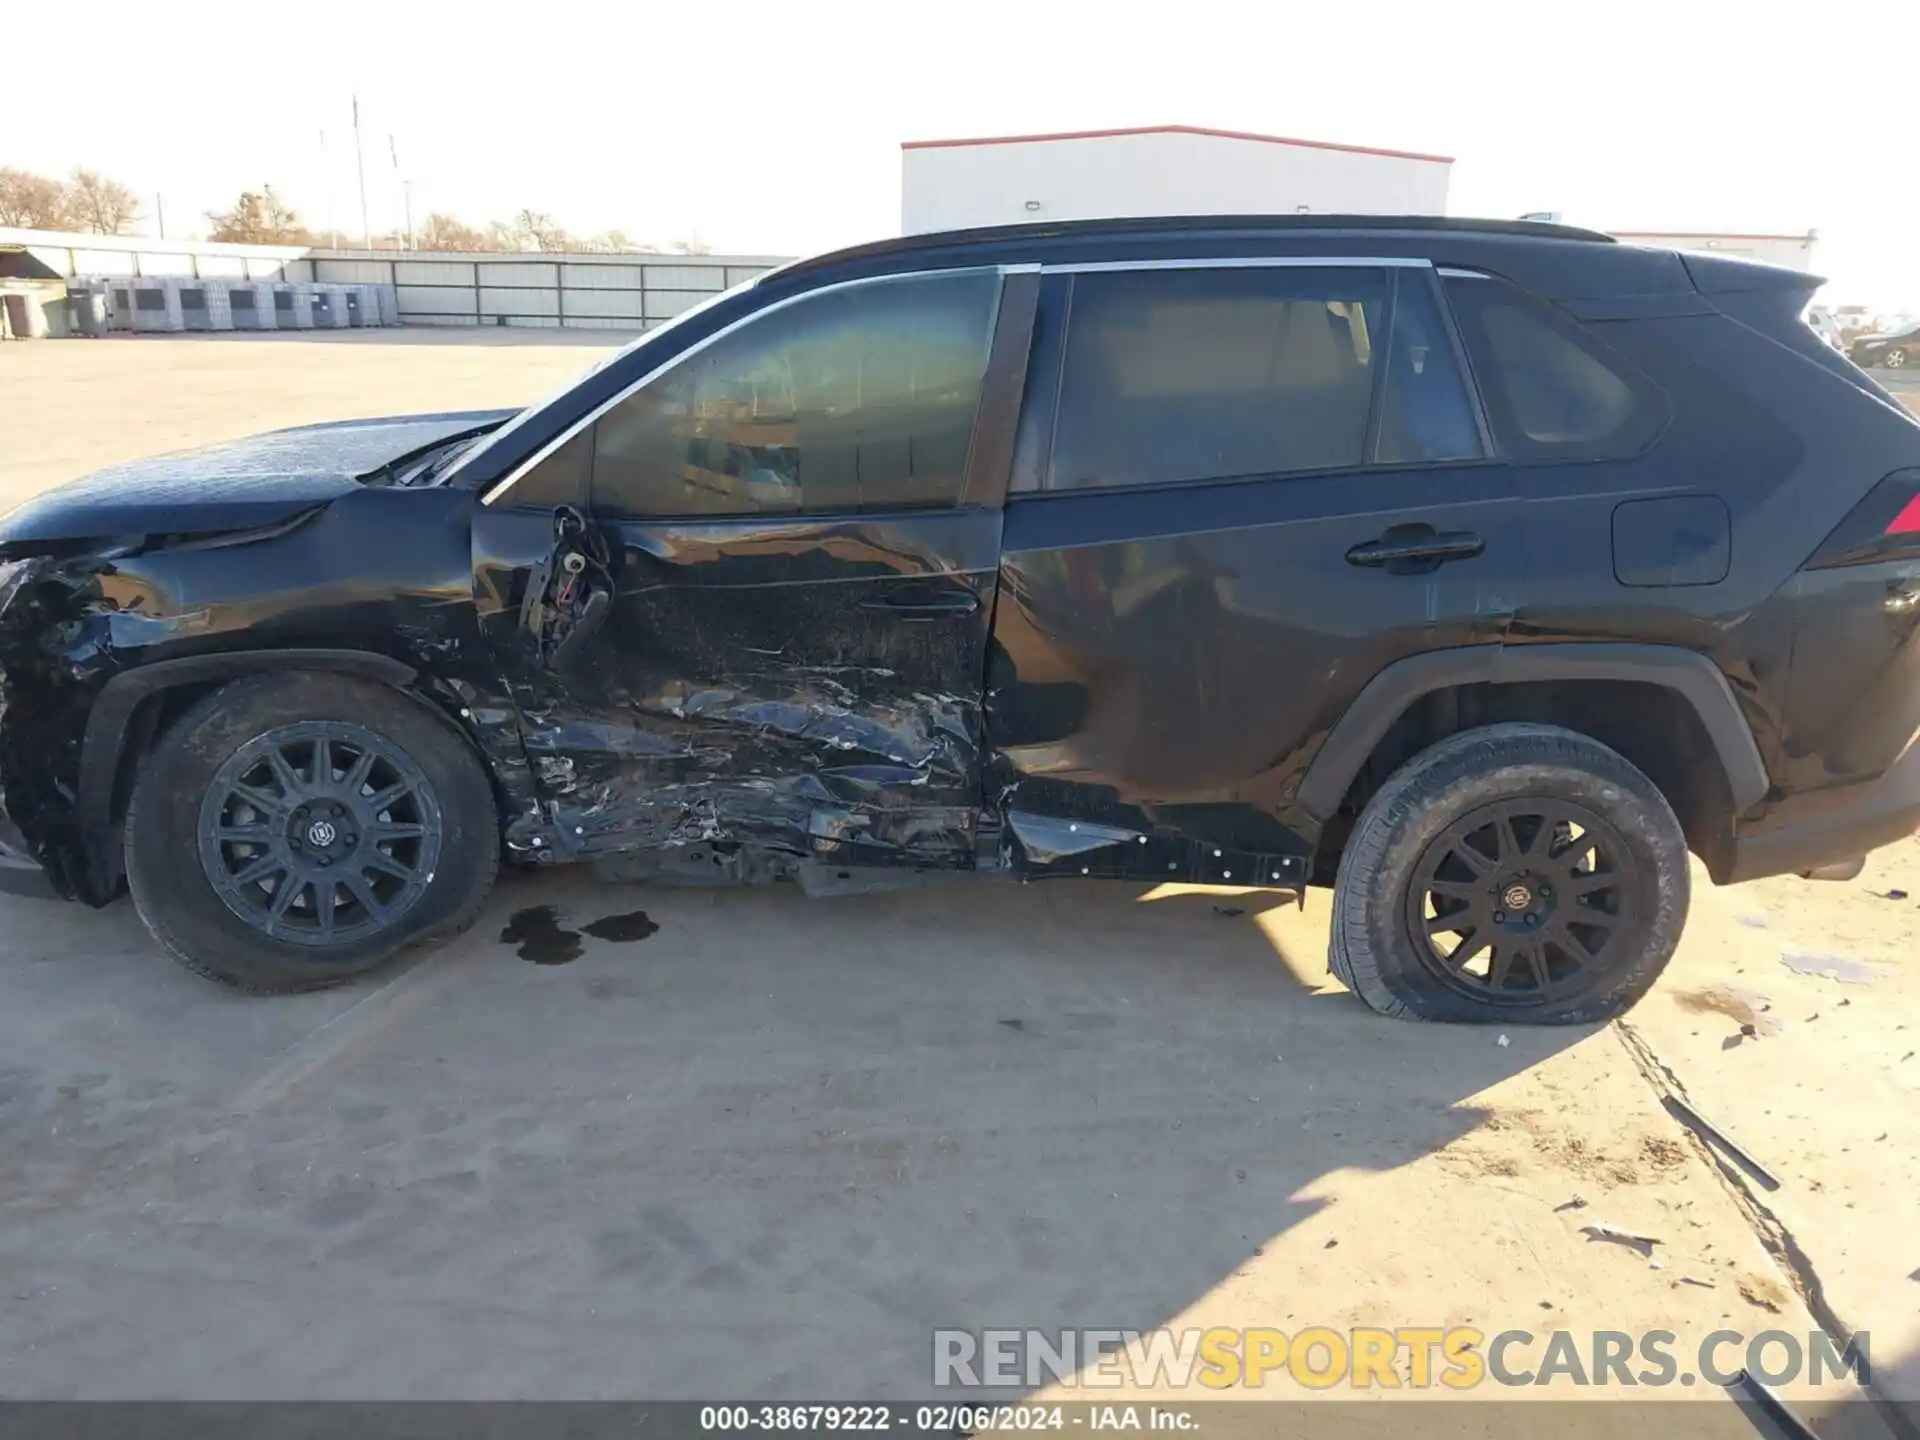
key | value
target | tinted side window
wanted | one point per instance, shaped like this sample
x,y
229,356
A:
x,y
859,398
1552,391
560,479
1175,375
1426,410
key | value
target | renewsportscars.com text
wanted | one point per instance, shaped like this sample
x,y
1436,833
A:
x,y
1412,1357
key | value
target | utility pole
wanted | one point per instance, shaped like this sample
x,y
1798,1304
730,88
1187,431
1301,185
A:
x,y
160,213
360,163
326,174
406,188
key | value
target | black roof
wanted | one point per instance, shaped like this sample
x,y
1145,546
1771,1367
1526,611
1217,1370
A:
x,y
1557,261
1211,226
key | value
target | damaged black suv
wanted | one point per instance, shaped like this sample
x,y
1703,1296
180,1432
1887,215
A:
x,y
1479,570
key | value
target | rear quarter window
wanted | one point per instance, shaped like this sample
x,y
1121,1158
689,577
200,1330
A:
x,y
1552,390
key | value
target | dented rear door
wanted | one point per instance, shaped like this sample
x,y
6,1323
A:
x,y
798,523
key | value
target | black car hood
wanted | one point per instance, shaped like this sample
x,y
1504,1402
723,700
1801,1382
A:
x,y
233,486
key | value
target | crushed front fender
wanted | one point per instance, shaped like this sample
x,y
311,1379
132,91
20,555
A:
x,y
41,717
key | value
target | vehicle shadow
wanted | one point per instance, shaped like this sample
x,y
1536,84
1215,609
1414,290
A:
x,y
760,1146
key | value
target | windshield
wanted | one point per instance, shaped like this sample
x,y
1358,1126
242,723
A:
x,y
437,463
528,414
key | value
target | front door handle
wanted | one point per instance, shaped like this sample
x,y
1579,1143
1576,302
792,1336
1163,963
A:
x,y
1416,549
922,606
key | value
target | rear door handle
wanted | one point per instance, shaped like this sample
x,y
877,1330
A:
x,y
1416,549
923,606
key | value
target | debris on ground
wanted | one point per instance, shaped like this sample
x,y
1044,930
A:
x,y
1503,1042
1696,1280
1751,921
1578,1202
1720,1140
1615,1235
1763,1397
1229,912
1893,895
1843,968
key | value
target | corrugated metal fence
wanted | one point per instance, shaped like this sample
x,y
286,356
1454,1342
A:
x,y
603,292
600,292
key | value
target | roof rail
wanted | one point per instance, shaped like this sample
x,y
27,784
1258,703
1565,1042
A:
x,y
1187,224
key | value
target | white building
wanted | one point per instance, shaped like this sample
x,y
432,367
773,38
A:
x,y
1157,170
1795,251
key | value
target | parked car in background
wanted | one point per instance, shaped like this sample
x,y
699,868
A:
x,y
1477,570
1894,348
1820,320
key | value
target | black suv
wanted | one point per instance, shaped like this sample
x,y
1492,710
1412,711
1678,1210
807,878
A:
x,y
1478,570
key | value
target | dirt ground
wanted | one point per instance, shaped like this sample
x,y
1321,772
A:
x,y
769,1148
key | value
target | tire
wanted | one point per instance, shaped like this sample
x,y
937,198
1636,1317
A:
x,y
425,860
1600,882
1895,359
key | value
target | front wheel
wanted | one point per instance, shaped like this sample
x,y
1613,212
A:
x,y
293,831
1517,873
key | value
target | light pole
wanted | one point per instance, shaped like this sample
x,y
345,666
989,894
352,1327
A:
x,y
360,162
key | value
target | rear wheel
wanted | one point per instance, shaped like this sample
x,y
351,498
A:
x,y
1517,873
1895,359
294,831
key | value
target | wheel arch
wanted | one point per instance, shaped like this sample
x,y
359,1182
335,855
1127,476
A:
x,y
1599,683
132,708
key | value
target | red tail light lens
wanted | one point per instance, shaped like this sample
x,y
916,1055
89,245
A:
x,y
1907,522
1884,526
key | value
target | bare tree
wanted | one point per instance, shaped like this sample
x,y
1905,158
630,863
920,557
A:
x,y
443,232
103,206
691,246
33,202
537,230
618,242
259,217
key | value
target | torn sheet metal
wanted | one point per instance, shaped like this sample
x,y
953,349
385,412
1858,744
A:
x,y
806,688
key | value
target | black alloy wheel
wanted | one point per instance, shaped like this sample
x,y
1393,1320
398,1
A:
x,y
1522,901
295,829
320,833
1515,874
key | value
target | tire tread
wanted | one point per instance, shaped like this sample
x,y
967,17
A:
x,y
1451,778
250,965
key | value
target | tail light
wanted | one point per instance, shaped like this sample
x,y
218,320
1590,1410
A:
x,y
1907,522
1884,526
